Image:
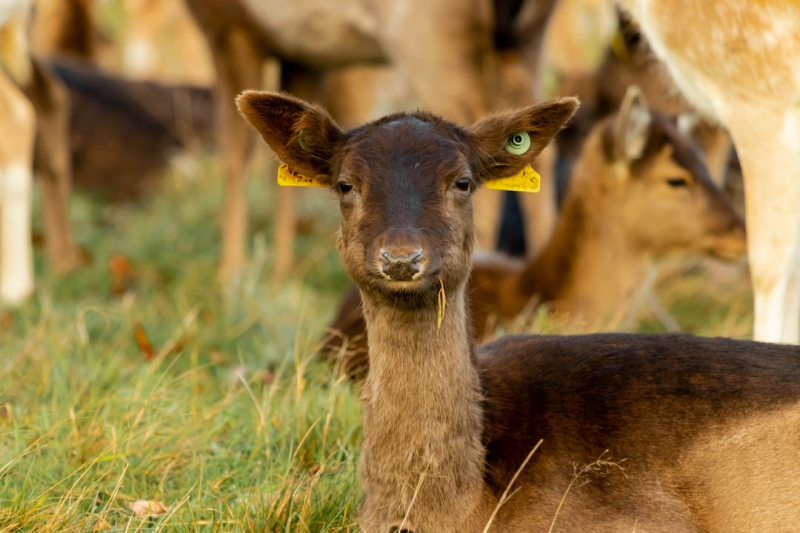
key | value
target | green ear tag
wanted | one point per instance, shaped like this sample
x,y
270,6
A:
x,y
519,143
289,178
526,181
301,140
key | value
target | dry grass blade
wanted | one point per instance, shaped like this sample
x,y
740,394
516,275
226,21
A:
x,y
505,497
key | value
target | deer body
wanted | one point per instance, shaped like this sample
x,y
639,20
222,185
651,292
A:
x,y
739,61
706,430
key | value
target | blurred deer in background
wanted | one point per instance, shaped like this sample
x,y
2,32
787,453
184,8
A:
x,y
162,42
739,62
36,124
446,50
17,131
639,193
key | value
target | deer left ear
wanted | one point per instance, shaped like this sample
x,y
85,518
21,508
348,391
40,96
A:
x,y
302,135
505,144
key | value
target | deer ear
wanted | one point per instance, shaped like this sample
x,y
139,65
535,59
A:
x,y
302,135
632,127
505,144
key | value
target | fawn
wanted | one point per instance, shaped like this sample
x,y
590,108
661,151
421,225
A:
x,y
687,434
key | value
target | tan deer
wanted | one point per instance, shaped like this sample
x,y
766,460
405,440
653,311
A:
x,y
162,42
601,433
17,131
638,193
739,61
449,60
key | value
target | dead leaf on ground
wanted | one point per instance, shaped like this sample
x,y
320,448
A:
x,y
218,358
6,320
122,273
6,414
148,508
143,342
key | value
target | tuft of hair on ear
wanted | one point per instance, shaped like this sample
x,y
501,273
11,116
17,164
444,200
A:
x,y
631,127
302,135
542,122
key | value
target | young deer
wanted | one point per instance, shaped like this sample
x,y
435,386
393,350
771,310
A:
x,y
634,167
739,61
687,434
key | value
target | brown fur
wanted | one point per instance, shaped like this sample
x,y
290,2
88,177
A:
x,y
600,253
696,434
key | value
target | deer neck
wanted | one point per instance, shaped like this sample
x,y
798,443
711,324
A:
x,y
590,269
423,419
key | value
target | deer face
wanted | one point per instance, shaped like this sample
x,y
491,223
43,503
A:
x,y
404,184
664,196
404,189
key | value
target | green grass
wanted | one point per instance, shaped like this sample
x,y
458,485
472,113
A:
x,y
233,424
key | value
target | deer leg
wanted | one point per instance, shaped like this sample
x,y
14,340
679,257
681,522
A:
x,y
16,182
771,168
52,153
238,66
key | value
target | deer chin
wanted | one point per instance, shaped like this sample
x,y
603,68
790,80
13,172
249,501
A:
x,y
419,292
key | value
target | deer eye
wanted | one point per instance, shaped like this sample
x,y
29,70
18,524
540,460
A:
x,y
343,187
677,182
463,184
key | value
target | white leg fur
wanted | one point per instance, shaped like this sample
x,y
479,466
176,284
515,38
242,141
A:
x,y
16,254
17,131
772,194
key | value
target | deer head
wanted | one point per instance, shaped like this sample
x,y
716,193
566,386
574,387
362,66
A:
x,y
404,183
665,199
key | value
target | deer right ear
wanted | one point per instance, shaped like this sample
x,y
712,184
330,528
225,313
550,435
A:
x,y
302,135
506,143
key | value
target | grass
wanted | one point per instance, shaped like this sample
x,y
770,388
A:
x,y
217,408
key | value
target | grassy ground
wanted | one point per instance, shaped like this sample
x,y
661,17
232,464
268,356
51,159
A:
x,y
134,378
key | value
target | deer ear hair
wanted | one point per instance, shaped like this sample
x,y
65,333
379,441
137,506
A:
x,y
302,135
506,144
632,127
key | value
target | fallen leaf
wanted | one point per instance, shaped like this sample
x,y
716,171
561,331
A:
x,y
217,358
6,414
147,508
122,273
6,320
143,342
37,239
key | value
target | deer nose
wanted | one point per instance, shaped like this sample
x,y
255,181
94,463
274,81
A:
x,y
401,267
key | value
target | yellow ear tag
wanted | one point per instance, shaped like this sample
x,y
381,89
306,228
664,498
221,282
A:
x,y
289,178
526,181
